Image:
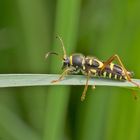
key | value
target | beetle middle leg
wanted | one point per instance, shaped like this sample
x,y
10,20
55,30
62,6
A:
x,y
86,86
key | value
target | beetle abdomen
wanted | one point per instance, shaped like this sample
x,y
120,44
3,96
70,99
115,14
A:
x,y
111,71
114,71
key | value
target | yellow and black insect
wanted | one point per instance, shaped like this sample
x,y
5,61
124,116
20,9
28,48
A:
x,y
92,67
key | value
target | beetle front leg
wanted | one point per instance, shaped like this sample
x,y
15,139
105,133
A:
x,y
65,72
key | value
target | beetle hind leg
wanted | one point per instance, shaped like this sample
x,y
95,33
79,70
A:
x,y
116,57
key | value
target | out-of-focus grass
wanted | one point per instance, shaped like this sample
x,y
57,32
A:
x,y
11,123
35,30
66,25
108,115
105,28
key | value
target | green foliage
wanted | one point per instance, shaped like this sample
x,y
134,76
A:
x,y
98,28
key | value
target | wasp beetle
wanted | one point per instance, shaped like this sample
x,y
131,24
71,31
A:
x,y
92,67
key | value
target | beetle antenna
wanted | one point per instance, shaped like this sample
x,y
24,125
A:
x,y
62,44
49,53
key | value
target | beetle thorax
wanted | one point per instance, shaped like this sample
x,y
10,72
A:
x,y
76,60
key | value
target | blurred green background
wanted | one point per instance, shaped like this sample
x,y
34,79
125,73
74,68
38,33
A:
x,y
99,28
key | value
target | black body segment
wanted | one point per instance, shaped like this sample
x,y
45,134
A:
x,y
93,62
76,60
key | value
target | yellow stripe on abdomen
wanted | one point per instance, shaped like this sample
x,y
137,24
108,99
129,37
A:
x,y
110,75
104,74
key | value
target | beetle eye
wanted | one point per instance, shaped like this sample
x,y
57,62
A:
x,y
66,60
65,63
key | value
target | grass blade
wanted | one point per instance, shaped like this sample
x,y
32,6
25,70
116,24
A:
x,y
18,80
